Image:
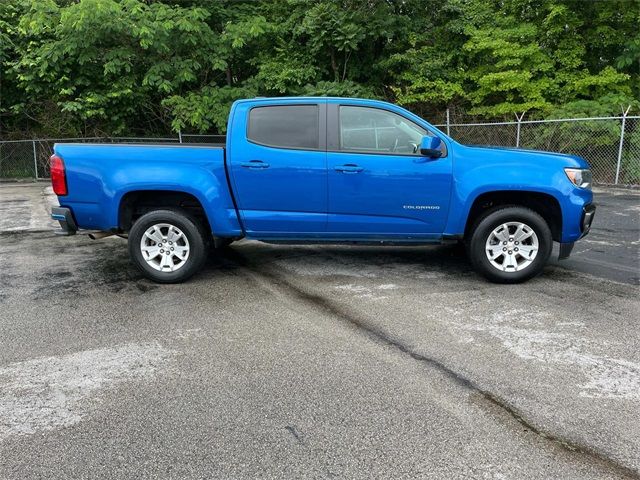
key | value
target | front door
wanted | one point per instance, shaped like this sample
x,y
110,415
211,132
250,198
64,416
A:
x,y
379,184
278,166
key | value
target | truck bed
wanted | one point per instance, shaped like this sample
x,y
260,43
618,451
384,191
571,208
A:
x,y
99,175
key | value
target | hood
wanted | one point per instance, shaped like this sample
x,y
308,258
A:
x,y
521,155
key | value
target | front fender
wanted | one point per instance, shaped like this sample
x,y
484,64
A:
x,y
481,170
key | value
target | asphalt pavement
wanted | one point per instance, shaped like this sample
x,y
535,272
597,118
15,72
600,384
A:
x,y
316,361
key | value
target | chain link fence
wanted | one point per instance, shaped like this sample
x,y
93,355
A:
x,y
21,159
611,145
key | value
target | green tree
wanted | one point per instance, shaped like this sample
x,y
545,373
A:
x,y
72,67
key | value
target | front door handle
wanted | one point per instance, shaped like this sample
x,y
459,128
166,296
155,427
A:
x,y
348,168
254,164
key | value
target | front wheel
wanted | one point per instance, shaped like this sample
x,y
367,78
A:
x,y
510,245
168,246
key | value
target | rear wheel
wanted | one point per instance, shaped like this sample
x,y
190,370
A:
x,y
168,246
510,244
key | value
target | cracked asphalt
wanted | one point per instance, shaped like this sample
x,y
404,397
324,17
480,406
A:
x,y
316,361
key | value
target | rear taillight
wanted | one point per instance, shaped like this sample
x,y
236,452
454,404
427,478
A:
x,y
58,177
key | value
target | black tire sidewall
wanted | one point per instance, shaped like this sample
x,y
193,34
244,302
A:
x,y
476,246
192,230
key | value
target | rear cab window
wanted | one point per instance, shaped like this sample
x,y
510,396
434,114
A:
x,y
285,126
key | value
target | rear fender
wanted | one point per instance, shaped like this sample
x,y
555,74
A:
x,y
210,189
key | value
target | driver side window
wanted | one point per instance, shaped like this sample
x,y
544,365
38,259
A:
x,y
364,129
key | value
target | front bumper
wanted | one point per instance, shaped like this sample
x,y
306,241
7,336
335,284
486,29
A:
x,y
65,218
588,212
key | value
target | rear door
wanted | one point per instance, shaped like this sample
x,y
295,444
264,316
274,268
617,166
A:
x,y
379,184
277,160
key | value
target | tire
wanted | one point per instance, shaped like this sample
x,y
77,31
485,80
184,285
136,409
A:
x,y
525,253
188,249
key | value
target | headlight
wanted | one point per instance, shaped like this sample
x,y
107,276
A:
x,y
580,177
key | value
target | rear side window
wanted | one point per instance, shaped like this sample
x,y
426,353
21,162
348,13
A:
x,y
287,126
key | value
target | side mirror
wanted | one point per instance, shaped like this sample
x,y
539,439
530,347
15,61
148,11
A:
x,y
431,147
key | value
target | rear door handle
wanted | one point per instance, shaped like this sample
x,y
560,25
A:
x,y
254,164
348,168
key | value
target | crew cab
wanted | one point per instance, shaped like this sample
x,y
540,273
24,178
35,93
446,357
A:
x,y
321,169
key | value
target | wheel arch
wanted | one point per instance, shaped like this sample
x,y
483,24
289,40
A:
x,y
545,204
135,203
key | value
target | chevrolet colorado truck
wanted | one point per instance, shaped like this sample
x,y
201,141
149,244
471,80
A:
x,y
332,170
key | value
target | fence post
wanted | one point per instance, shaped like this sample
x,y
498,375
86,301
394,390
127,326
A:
x,y
180,136
448,123
519,118
624,121
35,158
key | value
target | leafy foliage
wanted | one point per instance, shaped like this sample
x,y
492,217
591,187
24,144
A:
x,y
144,66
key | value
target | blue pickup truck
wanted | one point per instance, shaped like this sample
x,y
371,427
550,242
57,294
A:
x,y
329,170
